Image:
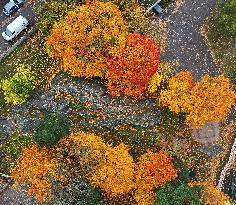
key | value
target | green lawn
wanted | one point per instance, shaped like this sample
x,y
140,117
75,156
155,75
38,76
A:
x,y
222,44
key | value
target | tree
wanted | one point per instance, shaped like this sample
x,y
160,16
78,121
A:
x,y
17,88
210,195
152,170
122,4
154,83
115,172
212,101
177,97
34,167
86,37
131,68
88,148
106,167
182,194
51,129
201,101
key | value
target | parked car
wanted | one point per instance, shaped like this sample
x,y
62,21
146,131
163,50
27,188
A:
x,y
12,6
157,9
14,28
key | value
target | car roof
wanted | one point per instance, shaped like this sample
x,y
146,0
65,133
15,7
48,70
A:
x,y
9,5
17,22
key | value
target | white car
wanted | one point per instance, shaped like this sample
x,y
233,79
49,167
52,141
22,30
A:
x,y
12,6
15,27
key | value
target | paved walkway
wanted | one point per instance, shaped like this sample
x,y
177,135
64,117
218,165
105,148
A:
x,y
186,44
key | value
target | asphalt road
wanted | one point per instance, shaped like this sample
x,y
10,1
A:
x,y
28,11
186,44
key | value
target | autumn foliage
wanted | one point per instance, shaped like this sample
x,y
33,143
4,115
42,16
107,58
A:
x,y
210,195
152,170
130,69
207,100
88,148
86,37
34,167
109,168
212,100
115,172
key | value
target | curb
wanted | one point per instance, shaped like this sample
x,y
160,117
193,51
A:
x,y
14,46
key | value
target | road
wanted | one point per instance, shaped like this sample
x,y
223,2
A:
x,y
28,11
186,44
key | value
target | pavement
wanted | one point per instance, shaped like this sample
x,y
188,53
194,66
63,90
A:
x,y
186,44
28,11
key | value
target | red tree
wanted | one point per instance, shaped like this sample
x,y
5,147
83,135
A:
x,y
131,68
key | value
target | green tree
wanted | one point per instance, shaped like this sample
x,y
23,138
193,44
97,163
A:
x,y
178,192
51,129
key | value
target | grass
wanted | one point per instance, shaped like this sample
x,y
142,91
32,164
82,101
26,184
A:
x,y
33,53
222,46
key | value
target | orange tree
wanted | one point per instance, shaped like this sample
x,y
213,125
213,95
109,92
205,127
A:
x,y
207,100
131,68
34,167
86,37
152,170
115,172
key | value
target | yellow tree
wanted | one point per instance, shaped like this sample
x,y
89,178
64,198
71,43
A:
x,y
34,167
177,97
109,168
210,195
88,148
115,173
212,100
207,100
87,36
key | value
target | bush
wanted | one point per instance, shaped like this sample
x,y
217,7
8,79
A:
x,y
51,129
18,88
179,192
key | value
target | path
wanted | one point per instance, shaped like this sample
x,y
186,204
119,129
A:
x,y
186,44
